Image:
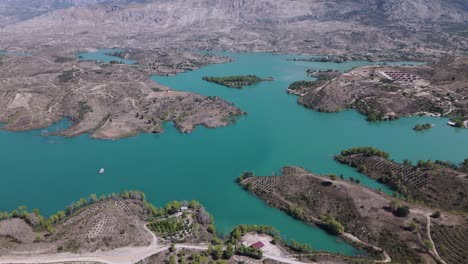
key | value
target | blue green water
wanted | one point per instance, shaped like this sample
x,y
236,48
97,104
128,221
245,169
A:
x,y
104,55
2,52
50,172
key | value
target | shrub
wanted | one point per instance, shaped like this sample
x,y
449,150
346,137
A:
x,y
173,207
426,164
244,175
332,225
249,252
298,247
229,252
428,244
211,228
402,211
435,214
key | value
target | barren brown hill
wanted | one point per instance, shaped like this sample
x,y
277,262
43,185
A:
x,y
386,92
107,224
291,26
105,100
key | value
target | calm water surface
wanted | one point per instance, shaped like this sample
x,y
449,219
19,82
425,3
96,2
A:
x,y
49,172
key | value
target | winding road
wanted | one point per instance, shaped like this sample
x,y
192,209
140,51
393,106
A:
x,y
428,228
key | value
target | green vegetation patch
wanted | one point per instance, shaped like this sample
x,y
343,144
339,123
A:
x,y
83,109
367,151
422,127
332,225
67,76
238,81
249,252
302,84
60,59
174,226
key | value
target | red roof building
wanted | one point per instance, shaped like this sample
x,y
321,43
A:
x,y
257,245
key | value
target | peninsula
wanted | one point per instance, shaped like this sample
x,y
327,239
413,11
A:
x,y
107,101
389,92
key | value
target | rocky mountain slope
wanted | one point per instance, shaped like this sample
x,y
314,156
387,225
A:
x,y
285,25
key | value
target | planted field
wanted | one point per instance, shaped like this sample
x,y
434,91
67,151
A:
x,y
387,171
451,243
412,177
266,184
174,227
429,182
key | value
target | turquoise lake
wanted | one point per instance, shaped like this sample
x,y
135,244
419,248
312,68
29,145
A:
x,y
50,172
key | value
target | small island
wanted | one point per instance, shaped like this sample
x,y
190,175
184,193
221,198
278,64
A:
x,y
238,81
422,127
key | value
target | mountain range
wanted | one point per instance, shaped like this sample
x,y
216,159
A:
x,y
283,25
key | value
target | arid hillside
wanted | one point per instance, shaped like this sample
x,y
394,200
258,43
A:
x,y
390,92
292,26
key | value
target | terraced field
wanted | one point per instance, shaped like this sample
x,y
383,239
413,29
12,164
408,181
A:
x,y
451,242
412,177
435,185
266,184
105,224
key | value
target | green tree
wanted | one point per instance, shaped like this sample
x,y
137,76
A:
x,y
173,207
61,215
194,204
236,234
332,225
93,197
172,248
402,211
211,228
435,214
229,252
217,252
428,244
36,212
394,204
407,163
172,260
195,258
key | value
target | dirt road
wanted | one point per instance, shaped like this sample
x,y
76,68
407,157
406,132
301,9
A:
x,y
126,255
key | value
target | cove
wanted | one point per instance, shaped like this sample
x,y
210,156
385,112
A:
x,y
104,55
50,172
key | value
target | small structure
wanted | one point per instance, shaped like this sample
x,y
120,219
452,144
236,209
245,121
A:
x,y
257,245
450,123
183,208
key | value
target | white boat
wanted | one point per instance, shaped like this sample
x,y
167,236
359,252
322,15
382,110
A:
x,y
101,171
450,123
